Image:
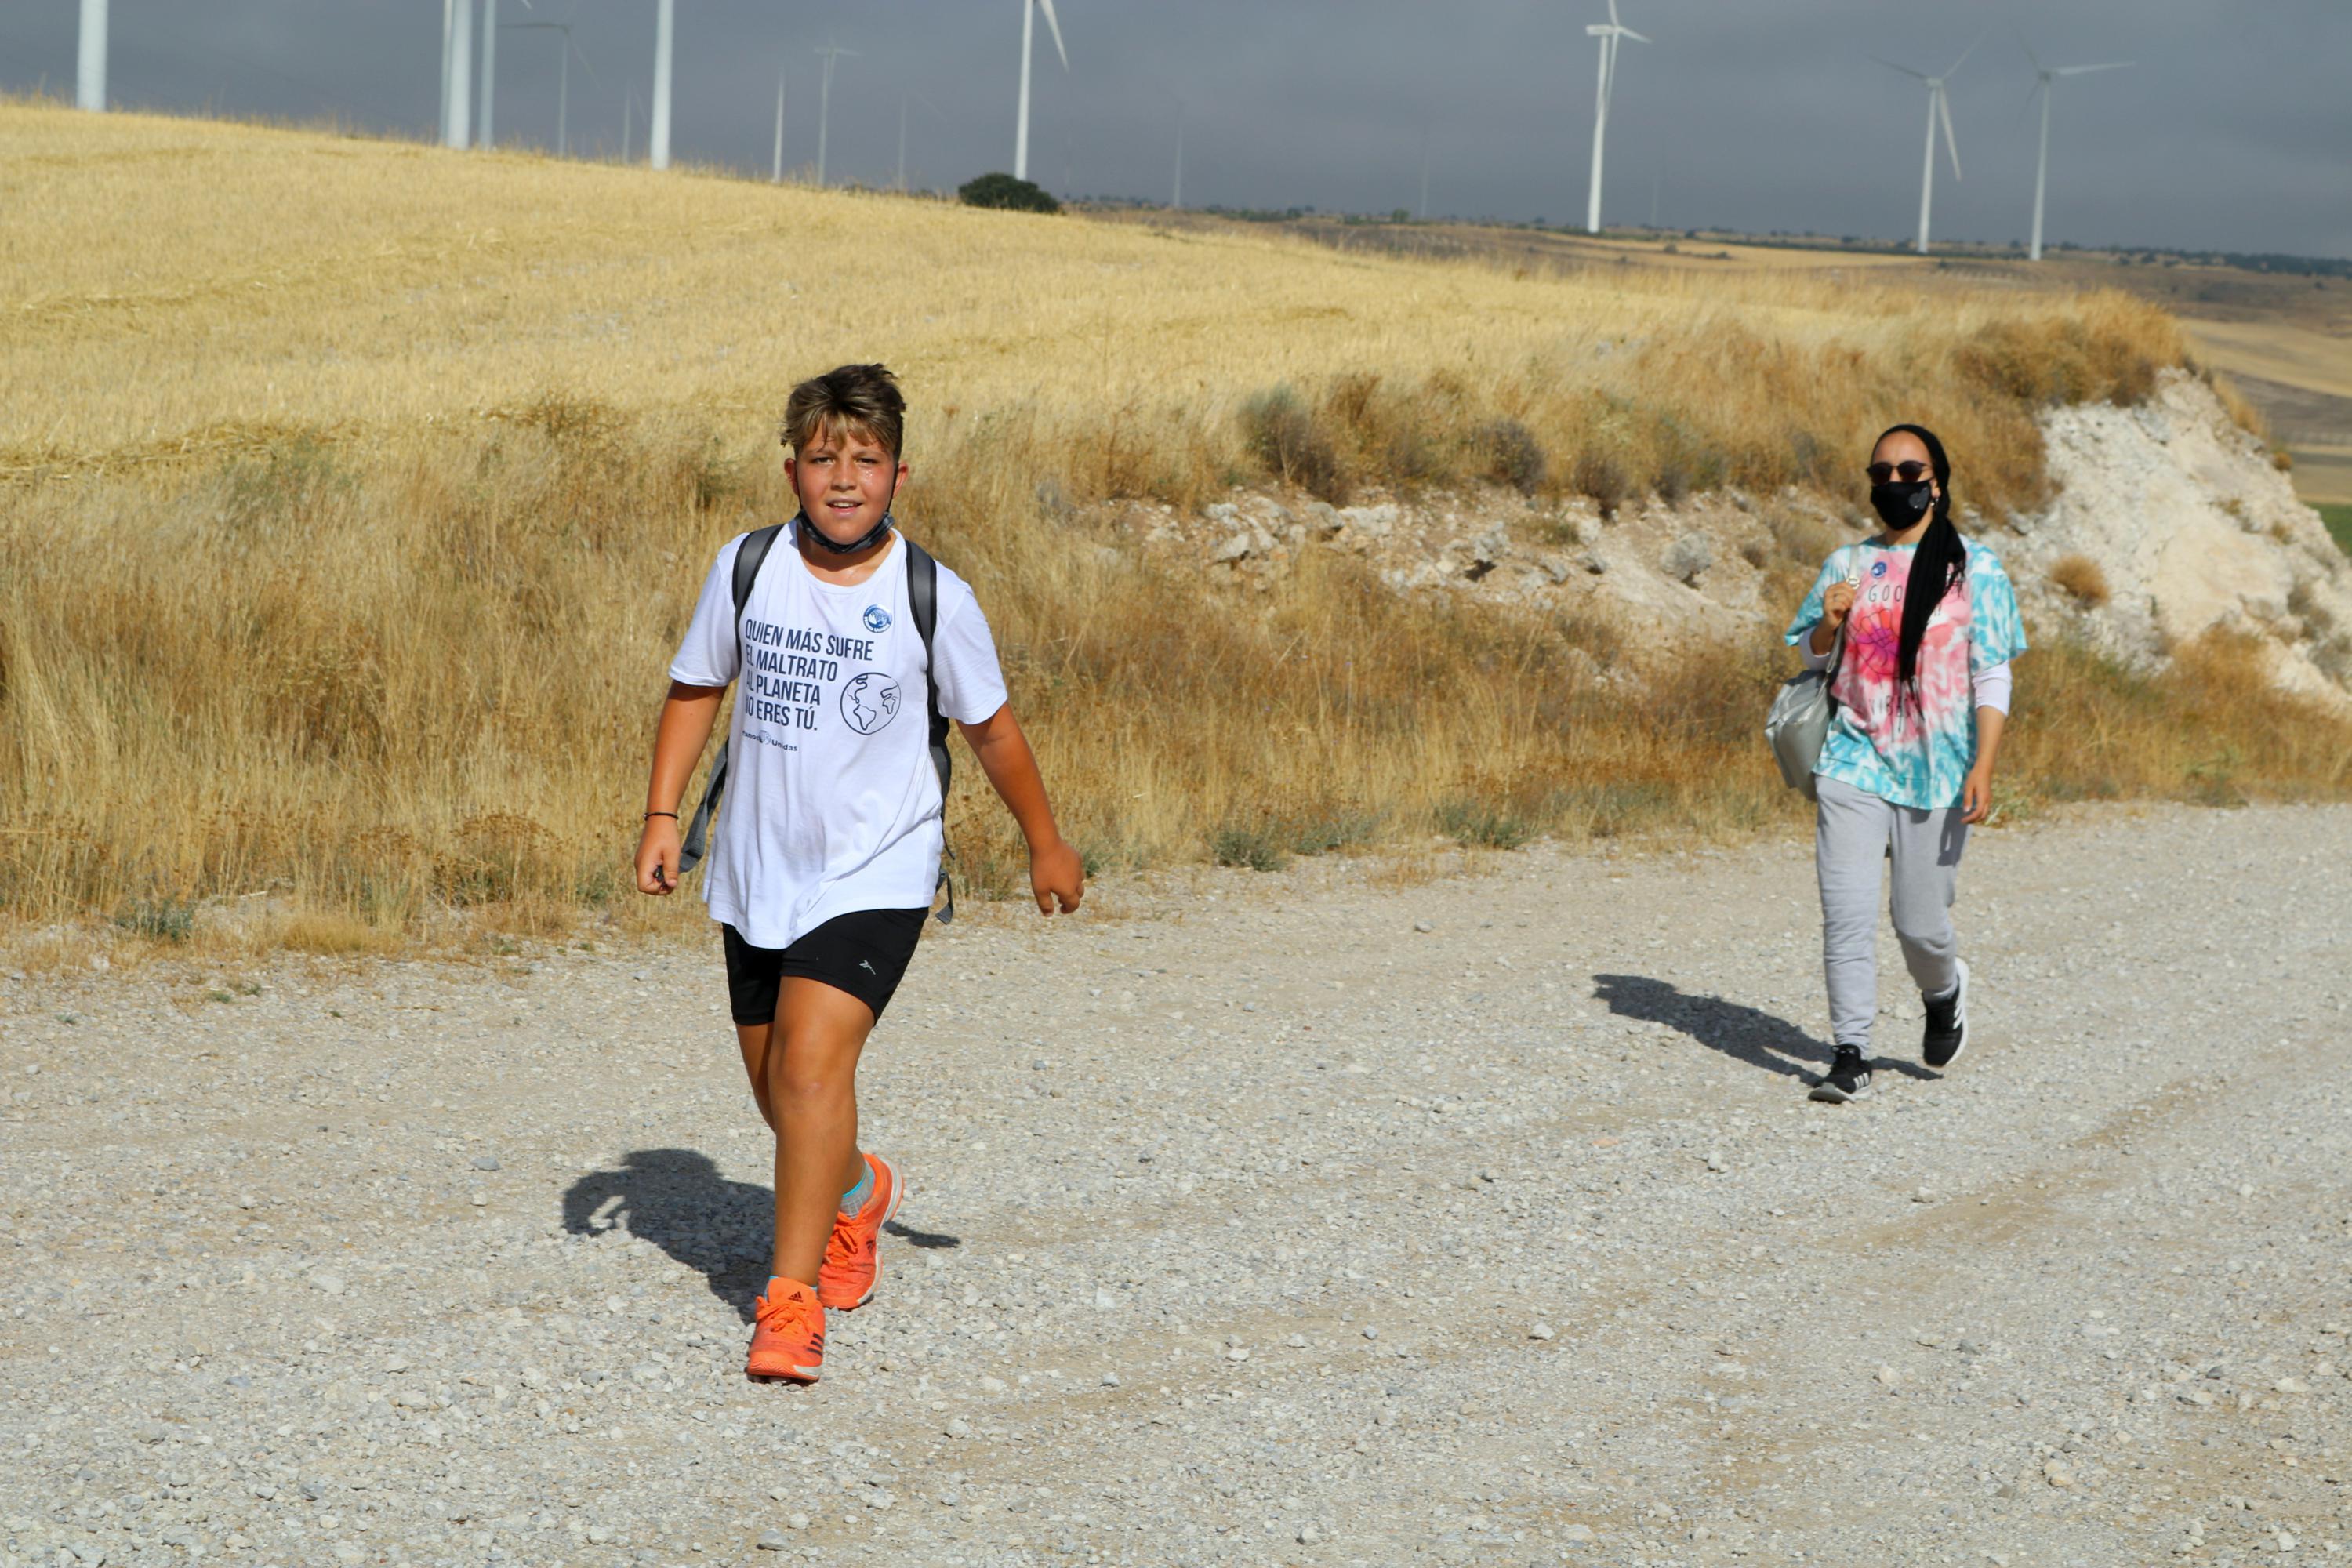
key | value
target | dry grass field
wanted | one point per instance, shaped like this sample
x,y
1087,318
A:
x,y
354,494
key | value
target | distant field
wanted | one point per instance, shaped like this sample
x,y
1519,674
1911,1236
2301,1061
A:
x,y
2285,341
2339,522
353,494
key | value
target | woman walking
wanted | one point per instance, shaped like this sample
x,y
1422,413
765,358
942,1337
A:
x,y
1923,624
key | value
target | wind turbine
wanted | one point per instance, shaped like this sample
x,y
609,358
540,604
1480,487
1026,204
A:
x,y
456,71
489,66
904,94
2049,74
564,77
657,138
1029,9
1939,107
776,169
1611,33
1177,200
90,76
831,52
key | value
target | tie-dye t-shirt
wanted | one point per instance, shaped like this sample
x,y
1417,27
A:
x,y
1911,750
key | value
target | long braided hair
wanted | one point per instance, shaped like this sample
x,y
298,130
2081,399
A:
x,y
1940,562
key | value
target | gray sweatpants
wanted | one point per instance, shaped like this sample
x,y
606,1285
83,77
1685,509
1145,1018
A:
x,y
1854,831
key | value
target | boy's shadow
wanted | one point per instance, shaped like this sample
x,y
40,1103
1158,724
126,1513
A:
x,y
676,1199
1739,1031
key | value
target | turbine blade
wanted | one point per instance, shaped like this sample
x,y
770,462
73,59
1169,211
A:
x,y
2085,70
1907,70
2040,85
1054,27
2029,51
1629,32
1964,56
1944,108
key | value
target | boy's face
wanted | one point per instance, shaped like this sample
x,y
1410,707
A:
x,y
844,481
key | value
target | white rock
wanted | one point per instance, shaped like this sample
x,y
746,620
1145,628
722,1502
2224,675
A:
x,y
332,1284
1540,1331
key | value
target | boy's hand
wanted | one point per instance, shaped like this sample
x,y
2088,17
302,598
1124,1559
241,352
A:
x,y
1056,874
657,857
1836,604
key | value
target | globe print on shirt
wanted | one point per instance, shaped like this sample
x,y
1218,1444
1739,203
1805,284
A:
x,y
869,701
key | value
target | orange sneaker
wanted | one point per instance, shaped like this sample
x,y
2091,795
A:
x,y
787,1334
853,1259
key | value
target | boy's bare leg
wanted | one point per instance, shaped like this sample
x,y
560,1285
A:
x,y
753,1040
812,1062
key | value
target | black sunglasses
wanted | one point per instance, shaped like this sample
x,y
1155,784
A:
x,y
1886,473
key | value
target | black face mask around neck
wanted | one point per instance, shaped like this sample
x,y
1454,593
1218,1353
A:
x,y
816,535
1902,506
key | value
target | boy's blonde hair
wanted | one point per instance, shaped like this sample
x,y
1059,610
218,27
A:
x,y
863,398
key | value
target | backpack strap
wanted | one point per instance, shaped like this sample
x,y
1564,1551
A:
x,y
923,604
747,561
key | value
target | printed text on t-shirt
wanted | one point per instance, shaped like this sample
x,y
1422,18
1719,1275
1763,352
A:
x,y
786,669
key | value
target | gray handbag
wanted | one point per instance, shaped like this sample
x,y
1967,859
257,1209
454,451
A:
x,y
1799,722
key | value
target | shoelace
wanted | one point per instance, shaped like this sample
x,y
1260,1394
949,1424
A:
x,y
844,1246
779,1313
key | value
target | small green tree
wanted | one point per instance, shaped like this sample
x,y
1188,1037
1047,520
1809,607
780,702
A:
x,y
1002,190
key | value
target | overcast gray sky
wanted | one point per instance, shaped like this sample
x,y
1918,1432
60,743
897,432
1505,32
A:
x,y
2233,131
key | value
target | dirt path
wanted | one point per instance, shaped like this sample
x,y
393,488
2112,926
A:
x,y
1250,1224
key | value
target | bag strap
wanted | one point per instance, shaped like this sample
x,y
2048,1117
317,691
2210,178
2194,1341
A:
x,y
748,561
923,604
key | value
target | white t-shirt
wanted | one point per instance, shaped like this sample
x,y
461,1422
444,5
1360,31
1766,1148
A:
x,y
832,805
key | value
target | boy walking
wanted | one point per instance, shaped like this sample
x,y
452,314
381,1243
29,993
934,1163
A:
x,y
825,857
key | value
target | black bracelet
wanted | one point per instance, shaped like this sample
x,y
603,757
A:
x,y
671,815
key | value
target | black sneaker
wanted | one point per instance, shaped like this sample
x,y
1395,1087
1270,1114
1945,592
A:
x,y
1946,1034
1848,1079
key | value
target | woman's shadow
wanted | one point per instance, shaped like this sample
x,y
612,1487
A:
x,y
676,1199
1739,1031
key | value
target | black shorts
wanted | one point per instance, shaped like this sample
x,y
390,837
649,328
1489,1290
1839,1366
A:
x,y
865,954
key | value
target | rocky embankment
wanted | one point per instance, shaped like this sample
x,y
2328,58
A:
x,y
2168,521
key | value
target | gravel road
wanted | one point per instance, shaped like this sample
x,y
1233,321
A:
x,y
1317,1219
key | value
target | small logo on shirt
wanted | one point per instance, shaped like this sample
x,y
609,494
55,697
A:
x,y
867,965
877,619
869,701
1877,569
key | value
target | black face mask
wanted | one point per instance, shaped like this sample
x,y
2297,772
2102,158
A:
x,y
1902,506
880,532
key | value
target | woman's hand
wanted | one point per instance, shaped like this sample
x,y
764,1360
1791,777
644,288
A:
x,y
1976,794
657,856
1836,604
1056,875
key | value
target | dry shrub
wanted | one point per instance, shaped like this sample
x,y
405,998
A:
x,y
2082,578
1284,436
2241,408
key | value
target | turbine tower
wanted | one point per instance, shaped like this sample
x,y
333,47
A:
x,y
657,138
483,136
831,52
456,72
1029,9
1177,199
776,168
2048,74
563,76
1939,107
90,76
1611,33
